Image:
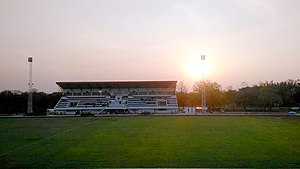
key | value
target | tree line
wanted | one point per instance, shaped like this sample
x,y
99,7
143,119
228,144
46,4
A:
x,y
265,96
15,102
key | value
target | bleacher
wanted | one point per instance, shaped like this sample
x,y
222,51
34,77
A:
x,y
151,96
62,103
136,102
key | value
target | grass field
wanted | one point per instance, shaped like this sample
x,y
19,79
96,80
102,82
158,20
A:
x,y
150,142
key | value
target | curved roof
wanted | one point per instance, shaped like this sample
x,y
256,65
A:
x,y
117,84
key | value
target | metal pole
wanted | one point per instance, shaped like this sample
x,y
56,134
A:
x,y
203,87
203,96
29,110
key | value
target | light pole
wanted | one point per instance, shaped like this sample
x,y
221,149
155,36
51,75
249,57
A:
x,y
203,86
29,110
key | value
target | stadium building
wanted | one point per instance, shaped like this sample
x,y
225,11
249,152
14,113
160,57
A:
x,y
137,97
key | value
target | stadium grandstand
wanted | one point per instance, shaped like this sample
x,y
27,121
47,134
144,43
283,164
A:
x,y
136,97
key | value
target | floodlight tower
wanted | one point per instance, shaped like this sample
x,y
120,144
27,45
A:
x,y
203,86
29,110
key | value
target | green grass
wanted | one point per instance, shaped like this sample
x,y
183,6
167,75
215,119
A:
x,y
150,142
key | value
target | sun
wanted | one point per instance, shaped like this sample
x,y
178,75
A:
x,y
196,68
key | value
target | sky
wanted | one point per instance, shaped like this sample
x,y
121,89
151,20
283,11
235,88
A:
x,y
248,41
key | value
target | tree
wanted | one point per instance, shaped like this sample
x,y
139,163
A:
x,y
230,96
214,94
248,97
16,101
182,94
288,91
269,96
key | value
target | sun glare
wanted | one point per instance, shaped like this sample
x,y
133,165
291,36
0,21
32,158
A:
x,y
196,68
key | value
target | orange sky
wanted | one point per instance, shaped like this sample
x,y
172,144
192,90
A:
x,y
97,40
